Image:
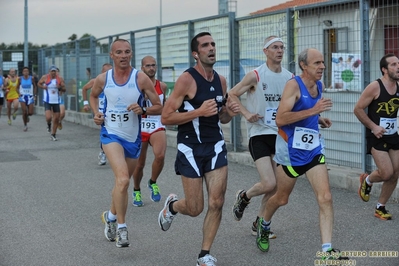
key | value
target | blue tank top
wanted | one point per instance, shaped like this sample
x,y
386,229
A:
x,y
298,143
202,129
26,87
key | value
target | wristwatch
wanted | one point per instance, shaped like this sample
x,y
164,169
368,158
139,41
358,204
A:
x,y
144,110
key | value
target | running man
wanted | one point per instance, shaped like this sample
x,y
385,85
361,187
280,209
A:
x,y
152,133
379,98
264,86
102,158
2,88
52,84
28,92
299,149
12,94
197,106
124,88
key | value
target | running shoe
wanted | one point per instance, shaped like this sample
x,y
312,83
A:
x,y
102,159
239,205
382,213
207,260
262,237
60,126
364,189
110,227
9,122
154,189
53,137
254,230
48,129
165,217
14,115
122,238
25,128
137,199
333,254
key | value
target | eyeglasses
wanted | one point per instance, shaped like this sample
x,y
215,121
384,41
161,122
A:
x,y
276,47
148,66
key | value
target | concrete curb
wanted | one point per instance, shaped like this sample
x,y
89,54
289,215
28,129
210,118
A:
x,y
340,177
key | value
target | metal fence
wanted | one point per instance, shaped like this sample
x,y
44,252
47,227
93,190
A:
x,y
352,35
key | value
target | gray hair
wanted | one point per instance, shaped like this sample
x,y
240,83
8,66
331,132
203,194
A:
x,y
303,57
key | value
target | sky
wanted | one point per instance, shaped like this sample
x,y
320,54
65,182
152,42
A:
x,y
54,21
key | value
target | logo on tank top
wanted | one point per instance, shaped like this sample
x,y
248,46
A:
x,y
211,88
264,86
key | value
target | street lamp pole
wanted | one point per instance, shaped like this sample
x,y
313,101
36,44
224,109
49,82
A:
x,y
160,12
26,63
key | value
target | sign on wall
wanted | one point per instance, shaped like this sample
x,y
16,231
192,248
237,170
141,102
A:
x,y
346,72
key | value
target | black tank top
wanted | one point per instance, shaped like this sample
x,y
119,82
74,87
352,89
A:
x,y
202,129
385,106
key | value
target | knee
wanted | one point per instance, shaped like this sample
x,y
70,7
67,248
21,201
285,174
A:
x,y
194,210
216,203
324,198
386,174
268,186
160,156
122,183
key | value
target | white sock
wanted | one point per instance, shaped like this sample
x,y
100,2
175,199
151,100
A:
x,y
368,181
380,205
121,226
326,246
111,216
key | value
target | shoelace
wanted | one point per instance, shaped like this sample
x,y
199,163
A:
x,y
155,189
242,205
209,258
137,196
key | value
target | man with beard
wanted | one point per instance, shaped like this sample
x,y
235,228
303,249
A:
x,y
152,133
380,98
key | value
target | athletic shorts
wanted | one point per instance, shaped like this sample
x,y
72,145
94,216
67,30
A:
x,y
262,146
27,99
382,144
145,136
1,100
195,160
55,107
131,149
295,171
11,100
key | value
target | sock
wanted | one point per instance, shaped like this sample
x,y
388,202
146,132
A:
x,y
121,226
368,181
325,247
266,225
49,125
151,182
244,196
203,253
111,217
136,189
171,208
380,205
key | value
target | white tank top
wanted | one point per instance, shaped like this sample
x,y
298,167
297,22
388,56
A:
x,y
118,120
51,94
265,99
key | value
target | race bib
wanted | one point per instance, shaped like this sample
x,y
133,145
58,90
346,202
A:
x,y
270,117
390,125
149,125
305,139
26,91
120,119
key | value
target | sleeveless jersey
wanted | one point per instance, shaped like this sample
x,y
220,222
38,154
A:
x,y
202,129
12,87
298,143
26,86
151,123
384,110
265,99
51,94
101,102
1,87
117,119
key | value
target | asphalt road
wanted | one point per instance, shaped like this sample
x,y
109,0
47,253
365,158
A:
x,y
52,195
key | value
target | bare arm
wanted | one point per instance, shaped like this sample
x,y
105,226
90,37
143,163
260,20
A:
x,y
290,96
164,87
34,86
41,84
247,84
85,88
95,92
145,83
370,93
61,86
231,108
